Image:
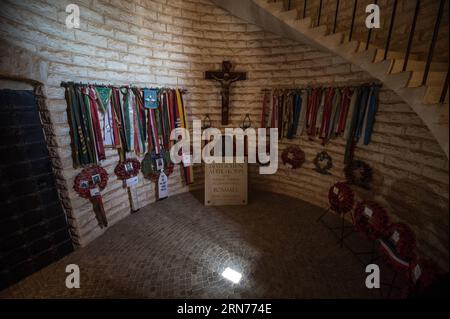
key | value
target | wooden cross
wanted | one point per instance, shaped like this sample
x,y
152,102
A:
x,y
225,78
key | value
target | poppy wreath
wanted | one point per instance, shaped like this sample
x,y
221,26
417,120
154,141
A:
x,y
422,273
341,198
293,156
90,178
404,246
370,219
323,163
87,179
358,173
148,166
122,169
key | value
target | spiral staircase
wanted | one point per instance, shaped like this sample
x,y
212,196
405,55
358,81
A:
x,y
420,82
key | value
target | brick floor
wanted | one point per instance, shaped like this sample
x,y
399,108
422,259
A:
x,y
178,248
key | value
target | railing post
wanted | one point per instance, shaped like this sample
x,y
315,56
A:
x,y
353,21
336,16
320,13
369,35
304,9
444,90
411,35
289,5
433,42
391,26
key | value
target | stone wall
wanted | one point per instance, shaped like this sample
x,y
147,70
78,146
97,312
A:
x,y
171,43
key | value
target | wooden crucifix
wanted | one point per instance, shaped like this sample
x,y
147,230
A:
x,y
225,78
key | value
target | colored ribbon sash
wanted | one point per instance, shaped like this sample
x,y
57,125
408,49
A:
x,y
96,125
297,100
181,119
86,119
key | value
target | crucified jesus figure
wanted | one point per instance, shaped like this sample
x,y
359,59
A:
x,y
225,78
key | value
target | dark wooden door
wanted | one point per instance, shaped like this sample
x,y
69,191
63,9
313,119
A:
x,y
33,226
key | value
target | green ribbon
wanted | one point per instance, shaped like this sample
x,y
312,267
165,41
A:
x,y
103,95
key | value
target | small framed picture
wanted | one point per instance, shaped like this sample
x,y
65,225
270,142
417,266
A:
x,y
84,184
159,164
96,179
128,167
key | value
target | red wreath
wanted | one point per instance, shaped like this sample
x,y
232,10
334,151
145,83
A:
x,y
341,198
404,247
422,273
293,156
90,178
373,226
84,181
121,171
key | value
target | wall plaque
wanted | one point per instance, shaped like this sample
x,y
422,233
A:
x,y
226,184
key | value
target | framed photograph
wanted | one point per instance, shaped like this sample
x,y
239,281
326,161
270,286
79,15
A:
x,y
128,167
159,164
84,184
96,179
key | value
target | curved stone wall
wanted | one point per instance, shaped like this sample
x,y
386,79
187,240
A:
x,y
171,43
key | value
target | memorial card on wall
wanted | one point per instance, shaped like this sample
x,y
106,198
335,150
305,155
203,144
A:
x,y
226,184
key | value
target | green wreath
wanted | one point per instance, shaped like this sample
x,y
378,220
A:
x,y
149,165
323,162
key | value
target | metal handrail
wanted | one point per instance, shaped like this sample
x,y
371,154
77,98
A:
x,y
391,26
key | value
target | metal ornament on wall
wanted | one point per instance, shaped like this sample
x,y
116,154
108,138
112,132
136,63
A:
x,y
323,163
358,173
246,122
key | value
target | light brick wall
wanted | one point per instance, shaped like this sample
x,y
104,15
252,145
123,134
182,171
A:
x,y
172,43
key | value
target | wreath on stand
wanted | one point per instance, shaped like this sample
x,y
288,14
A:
x,y
341,198
293,156
88,184
398,246
127,169
370,219
149,165
358,173
323,162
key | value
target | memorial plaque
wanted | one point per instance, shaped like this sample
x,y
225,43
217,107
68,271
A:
x,y
226,184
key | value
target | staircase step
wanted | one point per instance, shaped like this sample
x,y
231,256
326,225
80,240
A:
x,y
380,69
362,46
275,7
415,65
333,40
390,55
364,58
348,49
380,53
434,79
288,15
433,95
318,31
396,81
302,24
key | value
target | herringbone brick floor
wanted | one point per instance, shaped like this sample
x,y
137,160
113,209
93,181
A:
x,y
178,248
